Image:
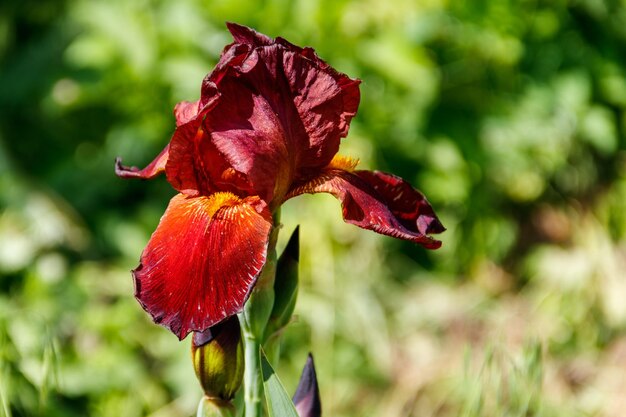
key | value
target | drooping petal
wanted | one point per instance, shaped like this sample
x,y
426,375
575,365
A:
x,y
282,110
307,396
153,169
202,261
380,202
406,203
184,112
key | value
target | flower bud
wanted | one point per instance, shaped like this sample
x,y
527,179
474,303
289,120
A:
x,y
307,396
218,360
285,285
257,310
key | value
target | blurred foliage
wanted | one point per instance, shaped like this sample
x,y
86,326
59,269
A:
x,y
509,115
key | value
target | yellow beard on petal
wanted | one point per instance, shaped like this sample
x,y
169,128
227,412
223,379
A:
x,y
212,203
345,163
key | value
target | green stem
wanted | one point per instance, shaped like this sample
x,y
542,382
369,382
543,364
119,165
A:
x,y
254,319
253,383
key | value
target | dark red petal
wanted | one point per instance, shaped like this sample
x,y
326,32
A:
x,y
380,202
248,36
195,166
307,396
250,131
326,102
202,261
186,111
152,170
407,204
183,170
349,87
232,56
282,110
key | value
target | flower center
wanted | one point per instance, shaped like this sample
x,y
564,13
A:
x,y
216,201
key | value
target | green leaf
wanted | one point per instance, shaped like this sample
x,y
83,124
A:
x,y
278,401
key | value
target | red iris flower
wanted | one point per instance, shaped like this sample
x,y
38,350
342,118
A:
x,y
267,128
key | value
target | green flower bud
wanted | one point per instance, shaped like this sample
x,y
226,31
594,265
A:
x,y
257,310
218,359
285,285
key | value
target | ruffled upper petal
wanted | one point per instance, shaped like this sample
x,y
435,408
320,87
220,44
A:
x,y
202,261
269,113
281,111
380,202
195,166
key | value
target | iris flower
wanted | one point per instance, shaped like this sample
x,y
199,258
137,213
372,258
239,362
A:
x,y
266,128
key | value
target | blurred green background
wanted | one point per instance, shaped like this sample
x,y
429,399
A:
x,y
509,115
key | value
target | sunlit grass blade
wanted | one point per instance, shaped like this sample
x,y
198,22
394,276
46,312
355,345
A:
x,y
5,410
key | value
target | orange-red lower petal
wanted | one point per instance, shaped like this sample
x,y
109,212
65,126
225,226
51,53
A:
x,y
202,260
380,202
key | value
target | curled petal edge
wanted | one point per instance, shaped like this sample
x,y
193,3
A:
x,y
153,169
185,113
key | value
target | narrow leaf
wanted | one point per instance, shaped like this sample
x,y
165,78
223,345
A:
x,y
278,402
